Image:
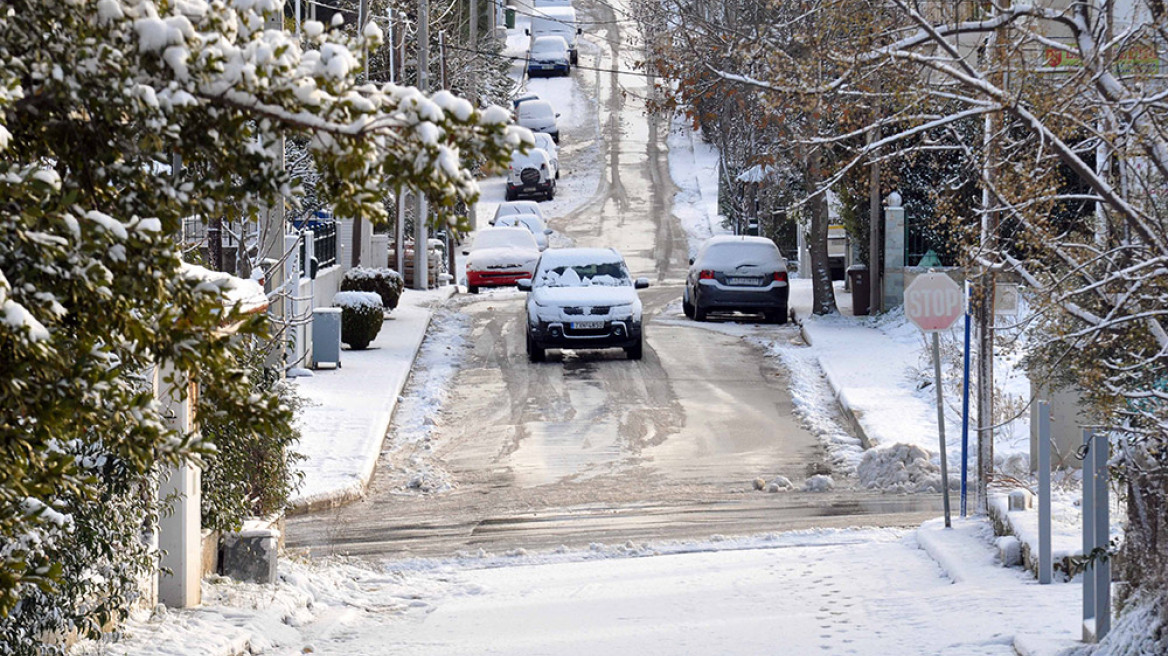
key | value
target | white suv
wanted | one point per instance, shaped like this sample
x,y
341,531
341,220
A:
x,y
583,298
531,174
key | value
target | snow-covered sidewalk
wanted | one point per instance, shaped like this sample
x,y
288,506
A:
x,y
867,592
349,409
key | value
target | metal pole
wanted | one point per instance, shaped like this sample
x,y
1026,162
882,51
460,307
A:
x,y
941,423
1088,531
297,10
1045,562
1102,525
965,410
442,80
392,41
421,230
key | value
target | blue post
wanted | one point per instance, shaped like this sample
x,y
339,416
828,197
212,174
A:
x,y
1102,526
1088,536
1045,562
965,408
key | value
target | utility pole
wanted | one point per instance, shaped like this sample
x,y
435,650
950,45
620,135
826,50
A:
x,y
984,309
421,230
362,18
397,43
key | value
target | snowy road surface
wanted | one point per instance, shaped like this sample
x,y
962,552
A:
x,y
590,446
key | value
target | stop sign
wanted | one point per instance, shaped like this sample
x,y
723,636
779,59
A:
x,y
933,301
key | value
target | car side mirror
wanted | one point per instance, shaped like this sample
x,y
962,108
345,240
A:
x,y
557,114
466,251
691,261
527,32
524,284
579,31
641,283
548,231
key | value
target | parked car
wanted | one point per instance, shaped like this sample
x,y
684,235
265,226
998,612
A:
x,y
518,207
538,116
583,298
548,145
530,174
500,257
557,21
532,222
548,56
737,272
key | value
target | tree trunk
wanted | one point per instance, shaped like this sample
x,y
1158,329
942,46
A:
x,y
823,293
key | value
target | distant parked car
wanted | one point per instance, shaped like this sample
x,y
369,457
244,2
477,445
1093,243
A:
x,y
548,55
532,222
531,174
737,272
518,207
538,116
500,257
547,144
583,298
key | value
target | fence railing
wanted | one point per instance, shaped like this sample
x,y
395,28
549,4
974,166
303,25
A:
x,y
324,245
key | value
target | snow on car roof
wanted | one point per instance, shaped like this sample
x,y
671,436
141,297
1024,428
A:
x,y
518,207
504,238
535,156
536,109
580,256
551,43
722,252
532,221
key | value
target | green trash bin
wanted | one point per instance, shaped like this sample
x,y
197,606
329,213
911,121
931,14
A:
x,y
509,16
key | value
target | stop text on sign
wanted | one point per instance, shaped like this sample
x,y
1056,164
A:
x,y
933,301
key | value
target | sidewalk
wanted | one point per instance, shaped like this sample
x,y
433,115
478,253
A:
x,y
349,410
867,362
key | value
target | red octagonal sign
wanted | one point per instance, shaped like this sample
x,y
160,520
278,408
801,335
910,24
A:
x,y
933,301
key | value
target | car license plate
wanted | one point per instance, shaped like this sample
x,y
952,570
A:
x,y
751,282
588,325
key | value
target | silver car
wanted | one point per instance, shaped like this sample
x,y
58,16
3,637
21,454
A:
x,y
737,273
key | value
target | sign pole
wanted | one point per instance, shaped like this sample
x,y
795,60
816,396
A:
x,y
941,424
965,411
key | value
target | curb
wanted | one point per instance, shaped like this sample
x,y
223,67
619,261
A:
x,y
849,415
357,491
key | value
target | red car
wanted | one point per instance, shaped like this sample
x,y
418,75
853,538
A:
x,y
499,257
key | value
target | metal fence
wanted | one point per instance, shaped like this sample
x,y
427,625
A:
x,y
324,245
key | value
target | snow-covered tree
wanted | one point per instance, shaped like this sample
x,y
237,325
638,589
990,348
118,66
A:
x,y
97,99
1057,111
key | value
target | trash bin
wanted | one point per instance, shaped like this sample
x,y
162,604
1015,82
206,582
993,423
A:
x,y
509,16
326,337
861,288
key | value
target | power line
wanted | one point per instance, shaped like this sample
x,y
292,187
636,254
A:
x,y
579,66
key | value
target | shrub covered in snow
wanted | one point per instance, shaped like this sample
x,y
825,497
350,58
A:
x,y
386,283
361,317
899,467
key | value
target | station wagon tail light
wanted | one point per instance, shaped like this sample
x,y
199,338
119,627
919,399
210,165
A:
x,y
780,276
706,275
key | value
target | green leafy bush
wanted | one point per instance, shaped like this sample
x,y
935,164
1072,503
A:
x,y
386,283
361,317
250,473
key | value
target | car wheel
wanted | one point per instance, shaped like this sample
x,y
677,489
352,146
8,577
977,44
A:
x,y
535,352
781,314
510,195
699,314
472,289
636,351
687,308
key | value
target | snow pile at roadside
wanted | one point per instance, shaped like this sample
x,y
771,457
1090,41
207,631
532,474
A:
x,y
412,430
899,468
693,165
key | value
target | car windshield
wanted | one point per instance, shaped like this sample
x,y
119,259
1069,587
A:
x,y
532,223
733,255
518,207
582,274
544,141
548,46
536,109
504,238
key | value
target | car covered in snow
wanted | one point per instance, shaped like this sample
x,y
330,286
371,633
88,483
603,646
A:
x,y
500,257
737,273
538,116
548,145
518,207
530,174
532,222
547,56
583,298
